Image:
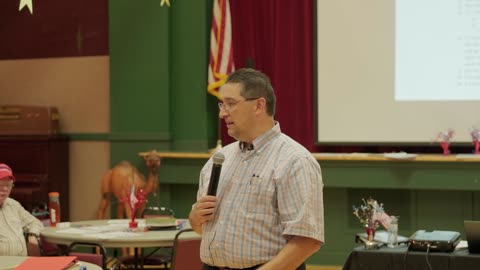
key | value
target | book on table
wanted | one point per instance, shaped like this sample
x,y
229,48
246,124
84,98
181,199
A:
x,y
48,263
161,223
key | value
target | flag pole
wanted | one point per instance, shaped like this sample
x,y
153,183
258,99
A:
x,y
221,54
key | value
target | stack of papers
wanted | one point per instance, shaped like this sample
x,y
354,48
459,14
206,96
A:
x,y
111,230
400,156
467,156
462,245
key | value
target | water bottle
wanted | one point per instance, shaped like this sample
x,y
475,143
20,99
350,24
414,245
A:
x,y
393,233
54,208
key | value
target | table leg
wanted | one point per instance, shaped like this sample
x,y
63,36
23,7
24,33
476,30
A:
x,y
136,257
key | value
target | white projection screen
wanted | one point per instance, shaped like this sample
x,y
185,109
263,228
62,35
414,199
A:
x,y
397,71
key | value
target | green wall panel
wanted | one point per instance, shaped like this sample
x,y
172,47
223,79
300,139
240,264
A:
x,y
181,171
158,72
139,66
475,206
443,210
408,175
182,199
192,109
337,231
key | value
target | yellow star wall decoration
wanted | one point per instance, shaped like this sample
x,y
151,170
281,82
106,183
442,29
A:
x,y
27,3
165,2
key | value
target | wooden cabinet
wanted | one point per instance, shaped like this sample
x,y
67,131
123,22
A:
x,y
40,165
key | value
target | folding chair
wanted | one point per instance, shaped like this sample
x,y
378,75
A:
x,y
186,251
43,248
33,250
92,257
46,248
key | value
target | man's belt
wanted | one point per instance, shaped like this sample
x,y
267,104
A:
x,y
208,267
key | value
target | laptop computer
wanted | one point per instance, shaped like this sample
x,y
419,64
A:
x,y
443,241
472,232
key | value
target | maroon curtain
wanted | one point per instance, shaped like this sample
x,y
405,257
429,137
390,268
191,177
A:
x,y
276,37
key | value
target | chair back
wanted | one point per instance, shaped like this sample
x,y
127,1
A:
x,y
186,251
32,249
93,257
46,248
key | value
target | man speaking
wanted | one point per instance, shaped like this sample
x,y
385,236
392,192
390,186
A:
x,y
268,209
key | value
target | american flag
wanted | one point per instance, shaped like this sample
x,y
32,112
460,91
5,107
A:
x,y
221,49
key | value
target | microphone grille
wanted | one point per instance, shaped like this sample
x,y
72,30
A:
x,y
218,158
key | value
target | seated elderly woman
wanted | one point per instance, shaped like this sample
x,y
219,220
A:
x,y
14,219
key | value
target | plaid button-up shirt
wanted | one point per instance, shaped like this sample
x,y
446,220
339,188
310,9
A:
x,y
265,196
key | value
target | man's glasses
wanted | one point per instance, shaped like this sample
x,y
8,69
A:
x,y
7,185
227,106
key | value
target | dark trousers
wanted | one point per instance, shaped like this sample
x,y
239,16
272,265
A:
x,y
208,267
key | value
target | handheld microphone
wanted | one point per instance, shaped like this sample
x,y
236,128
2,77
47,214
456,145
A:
x,y
218,159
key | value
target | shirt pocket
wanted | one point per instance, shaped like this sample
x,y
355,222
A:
x,y
261,196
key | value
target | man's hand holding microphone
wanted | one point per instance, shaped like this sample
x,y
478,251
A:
x,y
205,207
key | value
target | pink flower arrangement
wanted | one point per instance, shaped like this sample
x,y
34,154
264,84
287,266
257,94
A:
x,y
369,212
445,138
475,134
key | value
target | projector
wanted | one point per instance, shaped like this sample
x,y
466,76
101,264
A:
x,y
442,241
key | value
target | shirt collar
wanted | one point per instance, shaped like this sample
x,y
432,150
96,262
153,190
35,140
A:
x,y
262,140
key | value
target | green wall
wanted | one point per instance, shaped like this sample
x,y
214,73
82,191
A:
x,y
158,78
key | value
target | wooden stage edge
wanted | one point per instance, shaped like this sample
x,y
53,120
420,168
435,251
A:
x,y
406,157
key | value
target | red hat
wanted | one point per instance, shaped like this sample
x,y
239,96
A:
x,y
6,171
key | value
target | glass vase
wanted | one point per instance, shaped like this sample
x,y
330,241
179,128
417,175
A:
x,y
370,230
